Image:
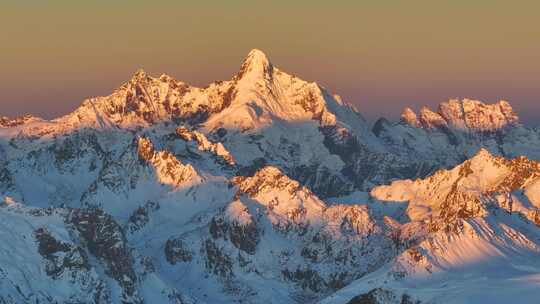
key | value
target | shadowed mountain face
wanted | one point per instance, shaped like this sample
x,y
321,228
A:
x,y
263,188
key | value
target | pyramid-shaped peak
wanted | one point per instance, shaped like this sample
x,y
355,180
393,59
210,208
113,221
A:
x,y
256,64
483,153
257,56
482,157
140,74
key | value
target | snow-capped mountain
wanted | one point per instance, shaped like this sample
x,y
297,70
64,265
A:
x,y
457,130
474,237
265,188
465,115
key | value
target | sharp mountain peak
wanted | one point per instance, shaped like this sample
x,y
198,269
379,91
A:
x,y
256,64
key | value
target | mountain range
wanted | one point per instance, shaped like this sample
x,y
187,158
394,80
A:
x,y
267,189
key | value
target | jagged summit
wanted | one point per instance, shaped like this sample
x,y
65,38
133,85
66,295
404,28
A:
x,y
465,115
477,178
253,98
259,96
257,57
408,116
139,74
12,122
256,64
482,154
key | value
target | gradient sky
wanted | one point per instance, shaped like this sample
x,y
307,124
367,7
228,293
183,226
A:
x,y
379,55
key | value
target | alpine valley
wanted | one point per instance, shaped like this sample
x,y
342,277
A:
x,y
267,189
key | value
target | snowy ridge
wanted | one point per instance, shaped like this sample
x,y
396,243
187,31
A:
x,y
203,144
469,186
169,170
7,122
277,233
492,259
466,114
471,229
456,131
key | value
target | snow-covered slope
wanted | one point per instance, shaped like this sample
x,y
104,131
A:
x,y
265,188
273,242
55,255
474,237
